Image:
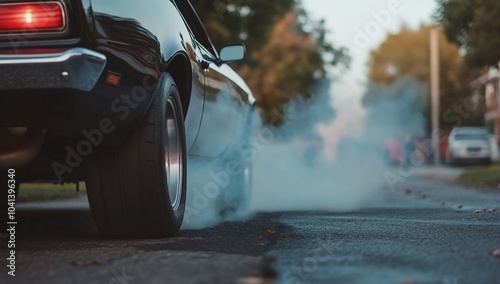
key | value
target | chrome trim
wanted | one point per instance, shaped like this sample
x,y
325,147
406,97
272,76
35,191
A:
x,y
173,155
76,68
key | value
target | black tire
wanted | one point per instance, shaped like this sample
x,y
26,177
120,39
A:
x,y
128,188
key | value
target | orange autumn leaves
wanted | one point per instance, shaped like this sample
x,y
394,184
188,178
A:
x,y
287,68
407,53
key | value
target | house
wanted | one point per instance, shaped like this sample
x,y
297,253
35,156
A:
x,y
488,87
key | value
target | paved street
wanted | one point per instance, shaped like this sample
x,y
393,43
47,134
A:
x,y
426,230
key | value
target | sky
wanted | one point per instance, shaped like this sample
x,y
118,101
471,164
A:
x,y
361,26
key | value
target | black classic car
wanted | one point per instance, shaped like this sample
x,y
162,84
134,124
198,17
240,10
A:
x,y
117,93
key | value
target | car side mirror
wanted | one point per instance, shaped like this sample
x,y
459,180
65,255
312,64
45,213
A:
x,y
234,52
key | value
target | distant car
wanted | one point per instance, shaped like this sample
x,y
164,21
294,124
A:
x,y
468,145
495,150
118,94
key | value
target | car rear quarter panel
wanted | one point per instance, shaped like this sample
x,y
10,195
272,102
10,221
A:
x,y
139,39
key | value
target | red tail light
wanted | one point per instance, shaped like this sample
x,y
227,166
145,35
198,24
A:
x,y
32,17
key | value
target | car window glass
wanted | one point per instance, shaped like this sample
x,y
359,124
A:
x,y
465,137
195,25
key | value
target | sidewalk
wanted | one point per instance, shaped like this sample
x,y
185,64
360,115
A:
x,y
440,173
440,186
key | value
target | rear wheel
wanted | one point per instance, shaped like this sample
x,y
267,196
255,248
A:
x,y
139,190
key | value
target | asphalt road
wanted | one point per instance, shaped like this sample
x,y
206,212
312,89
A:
x,y
425,231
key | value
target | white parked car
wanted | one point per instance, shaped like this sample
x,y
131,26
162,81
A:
x,y
469,145
495,150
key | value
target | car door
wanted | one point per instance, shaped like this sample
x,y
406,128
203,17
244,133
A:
x,y
223,111
197,101
225,103
193,49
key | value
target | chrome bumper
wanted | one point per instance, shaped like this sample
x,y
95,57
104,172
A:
x,y
77,69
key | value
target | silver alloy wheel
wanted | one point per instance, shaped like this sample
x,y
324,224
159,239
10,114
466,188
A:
x,y
173,155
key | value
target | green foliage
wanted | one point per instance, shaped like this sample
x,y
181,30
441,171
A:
x,y
475,26
247,21
287,52
482,176
45,192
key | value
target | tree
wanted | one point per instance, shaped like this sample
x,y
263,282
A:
x,y
474,26
287,52
248,21
407,54
285,70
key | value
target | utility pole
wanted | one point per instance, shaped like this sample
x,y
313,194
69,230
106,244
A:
x,y
435,93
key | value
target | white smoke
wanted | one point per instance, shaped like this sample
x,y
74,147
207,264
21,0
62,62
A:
x,y
322,159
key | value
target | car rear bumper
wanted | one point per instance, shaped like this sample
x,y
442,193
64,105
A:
x,y
76,69
472,156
